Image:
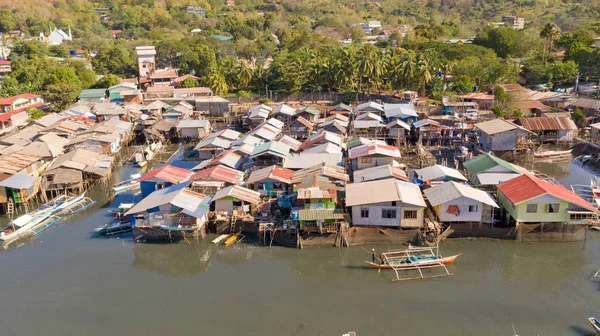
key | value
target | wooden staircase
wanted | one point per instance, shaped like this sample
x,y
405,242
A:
x,y
10,207
232,223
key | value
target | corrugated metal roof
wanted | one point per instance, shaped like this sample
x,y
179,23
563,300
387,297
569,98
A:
x,y
266,132
248,139
315,192
369,106
275,123
379,191
274,172
13,163
272,148
527,187
547,124
219,173
215,142
379,173
495,178
168,173
305,122
359,141
309,109
363,124
486,161
48,119
321,169
316,214
437,172
284,109
448,191
396,123
191,123
307,160
291,142
18,181
227,134
374,149
369,116
239,193
399,110
321,137
178,195
324,148
586,103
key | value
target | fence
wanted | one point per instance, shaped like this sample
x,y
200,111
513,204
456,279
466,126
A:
x,y
314,97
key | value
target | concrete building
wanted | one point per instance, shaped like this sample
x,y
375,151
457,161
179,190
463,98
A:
x,y
501,135
456,202
146,59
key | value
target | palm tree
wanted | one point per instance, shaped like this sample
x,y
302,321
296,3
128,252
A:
x,y
408,66
550,32
218,83
445,69
424,74
244,74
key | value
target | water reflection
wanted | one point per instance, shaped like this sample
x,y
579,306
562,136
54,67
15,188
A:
x,y
179,260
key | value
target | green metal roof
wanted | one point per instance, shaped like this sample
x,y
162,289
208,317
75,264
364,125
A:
x,y
342,106
310,110
486,161
277,148
92,93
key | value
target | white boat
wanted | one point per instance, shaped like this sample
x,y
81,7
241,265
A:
x,y
130,184
25,225
553,154
595,323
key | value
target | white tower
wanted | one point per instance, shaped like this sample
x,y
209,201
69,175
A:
x,y
146,56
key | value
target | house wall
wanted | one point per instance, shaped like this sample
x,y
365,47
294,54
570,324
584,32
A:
x,y
375,218
396,132
224,205
595,133
191,132
463,204
500,141
520,214
359,163
319,203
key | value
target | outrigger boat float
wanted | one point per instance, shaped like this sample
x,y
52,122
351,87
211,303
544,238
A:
x,y
413,258
126,185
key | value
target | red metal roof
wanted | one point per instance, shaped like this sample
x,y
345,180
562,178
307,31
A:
x,y
511,87
547,123
4,62
526,187
219,173
168,173
478,96
10,100
6,116
184,77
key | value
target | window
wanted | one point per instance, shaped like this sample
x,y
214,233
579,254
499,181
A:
x,y
552,208
531,208
364,213
473,208
261,186
386,213
144,66
410,214
394,203
366,160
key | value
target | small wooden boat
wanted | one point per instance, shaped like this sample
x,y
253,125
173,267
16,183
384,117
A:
x,y
233,239
420,261
220,239
553,154
130,184
114,228
595,323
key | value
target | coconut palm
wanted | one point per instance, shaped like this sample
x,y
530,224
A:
x,y
550,32
409,66
218,83
244,74
424,73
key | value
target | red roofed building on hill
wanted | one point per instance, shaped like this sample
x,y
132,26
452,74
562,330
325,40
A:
x,y
163,177
544,211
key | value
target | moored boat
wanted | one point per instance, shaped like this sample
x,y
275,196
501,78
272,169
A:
x,y
553,154
595,323
25,225
412,261
130,184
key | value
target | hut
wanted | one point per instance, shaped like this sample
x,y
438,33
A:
x,y
438,174
301,128
163,177
455,202
550,129
373,155
215,178
308,113
48,146
212,146
489,170
270,153
235,200
501,135
379,173
193,128
19,188
75,170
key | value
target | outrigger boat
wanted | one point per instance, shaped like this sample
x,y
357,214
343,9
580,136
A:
x,y
553,154
126,185
413,258
595,323
121,222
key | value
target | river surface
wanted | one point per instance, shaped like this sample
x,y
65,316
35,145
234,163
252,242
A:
x,y
68,282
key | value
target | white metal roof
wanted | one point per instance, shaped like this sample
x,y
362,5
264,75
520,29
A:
x,y
324,148
388,190
495,178
307,160
191,123
446,192
438,172
399,110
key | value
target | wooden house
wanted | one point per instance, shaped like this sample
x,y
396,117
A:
x,y
259,114
590,107
437,174
385,203
75,170
550,129
269,154
544,211
308,113
379,173
284,113
212,146
195,129
487,170
300,128
369,107
398,130
19,188
403,112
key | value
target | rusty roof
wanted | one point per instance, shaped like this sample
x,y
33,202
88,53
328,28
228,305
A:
x,y
274,172
321,169
548,123
15,162
238,192
374,149
305,122
168,173
219,173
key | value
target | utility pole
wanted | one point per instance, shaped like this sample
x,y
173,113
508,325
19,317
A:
x,y
577,83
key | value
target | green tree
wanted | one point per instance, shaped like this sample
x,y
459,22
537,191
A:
x,y
498,110
550,32
424,74
61,95
218,84
107,81
190,82
10,87
200,59
114,59
244,74
502,40
500,94
8,21
35,113
30,48
60,50
579,118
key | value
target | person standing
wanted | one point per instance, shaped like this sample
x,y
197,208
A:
x,y
373,254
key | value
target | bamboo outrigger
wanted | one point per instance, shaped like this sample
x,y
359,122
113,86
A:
x,y
414,258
